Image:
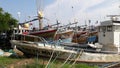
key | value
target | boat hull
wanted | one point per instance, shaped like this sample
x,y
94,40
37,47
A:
x,y
33,50
82,37
47,34
86,57
65,36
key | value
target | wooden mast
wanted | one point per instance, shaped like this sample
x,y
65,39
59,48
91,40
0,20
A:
x,y
40,13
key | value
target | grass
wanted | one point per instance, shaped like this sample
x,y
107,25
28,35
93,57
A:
x,y
84,66
56,66
4,61
33,66
40,63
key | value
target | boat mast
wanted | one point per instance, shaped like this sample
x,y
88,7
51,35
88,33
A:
x,y
40,13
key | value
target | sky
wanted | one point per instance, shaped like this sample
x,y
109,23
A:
x,y
65,11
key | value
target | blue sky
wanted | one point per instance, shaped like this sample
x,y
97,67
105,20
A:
x,y
25,7
83,10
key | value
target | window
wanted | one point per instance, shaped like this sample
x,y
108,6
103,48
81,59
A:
x,y
19,31
103,29
109,28
15,31
99,28
22,30
117,28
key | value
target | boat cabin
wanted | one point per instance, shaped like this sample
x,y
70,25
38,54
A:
x,y
109,35
20,31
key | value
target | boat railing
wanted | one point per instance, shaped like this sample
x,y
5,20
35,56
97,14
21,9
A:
x,y
29,38
51,43
43,40
78,49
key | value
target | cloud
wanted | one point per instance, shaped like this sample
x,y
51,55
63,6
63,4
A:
x,y
68,10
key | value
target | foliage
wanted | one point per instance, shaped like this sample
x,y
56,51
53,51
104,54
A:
x,y
6,21
4,61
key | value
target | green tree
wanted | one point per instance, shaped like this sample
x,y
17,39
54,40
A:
x,y
6,21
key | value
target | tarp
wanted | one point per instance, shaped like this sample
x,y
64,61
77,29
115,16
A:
x,y
92,39
1,52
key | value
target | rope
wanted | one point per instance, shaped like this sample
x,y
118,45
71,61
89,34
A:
x,y
37,58
77,58
74,56
66,59
55,58
50,59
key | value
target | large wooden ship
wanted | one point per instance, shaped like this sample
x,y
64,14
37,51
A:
x,y
38,46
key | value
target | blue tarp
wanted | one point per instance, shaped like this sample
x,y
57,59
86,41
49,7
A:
x,y
91,39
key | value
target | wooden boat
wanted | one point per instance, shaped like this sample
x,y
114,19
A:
x,y
66,36
34,49
47,34
64,33
40,46
82,37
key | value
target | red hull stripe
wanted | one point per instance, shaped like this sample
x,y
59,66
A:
x,y
42,32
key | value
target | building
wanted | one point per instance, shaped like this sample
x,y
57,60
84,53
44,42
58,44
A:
x,y
109,35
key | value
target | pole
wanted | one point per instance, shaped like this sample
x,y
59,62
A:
x,y
18,18
119,45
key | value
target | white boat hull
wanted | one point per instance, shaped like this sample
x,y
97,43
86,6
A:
x,y
41,50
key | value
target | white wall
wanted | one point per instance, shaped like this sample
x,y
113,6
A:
x,y
117,38
107,39
110,38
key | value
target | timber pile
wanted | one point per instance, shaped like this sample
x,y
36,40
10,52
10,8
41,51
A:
x,y
18,52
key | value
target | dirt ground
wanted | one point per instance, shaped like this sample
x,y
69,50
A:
x,y
20,63
27,61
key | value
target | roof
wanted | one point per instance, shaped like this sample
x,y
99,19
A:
x,y
110,22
